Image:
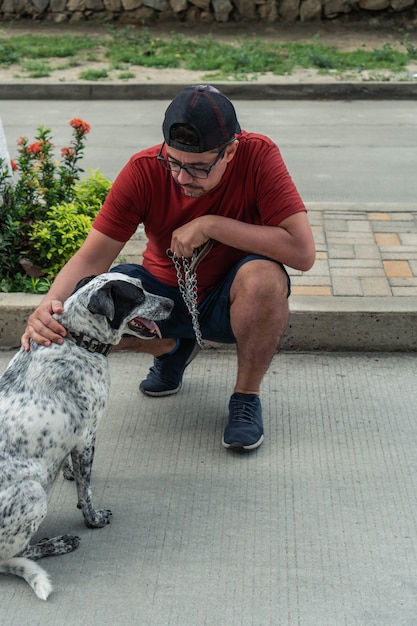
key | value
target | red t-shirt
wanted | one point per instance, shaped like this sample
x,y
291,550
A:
x,y
256,188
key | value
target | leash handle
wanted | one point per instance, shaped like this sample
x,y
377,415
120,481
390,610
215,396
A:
x,y
198,255
201,254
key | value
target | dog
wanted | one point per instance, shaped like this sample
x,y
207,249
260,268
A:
x,y
51,401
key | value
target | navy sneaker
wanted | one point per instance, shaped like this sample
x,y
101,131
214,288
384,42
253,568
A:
x,y
244,429
165,376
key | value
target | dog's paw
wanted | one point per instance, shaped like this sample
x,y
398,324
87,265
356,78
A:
x,y
66,543
100,518
52,547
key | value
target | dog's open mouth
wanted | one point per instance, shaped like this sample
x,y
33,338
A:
x,y
147,329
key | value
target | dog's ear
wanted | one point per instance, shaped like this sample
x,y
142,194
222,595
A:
x,y
101,302
83,282
115,300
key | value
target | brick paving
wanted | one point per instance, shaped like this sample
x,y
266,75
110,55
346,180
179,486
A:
x,y
360,251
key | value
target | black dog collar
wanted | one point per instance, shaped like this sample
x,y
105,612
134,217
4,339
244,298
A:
x,y
90,344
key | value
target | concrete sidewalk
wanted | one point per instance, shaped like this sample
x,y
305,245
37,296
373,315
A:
x,y
315,528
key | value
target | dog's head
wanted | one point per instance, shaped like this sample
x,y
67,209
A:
x,y
113,304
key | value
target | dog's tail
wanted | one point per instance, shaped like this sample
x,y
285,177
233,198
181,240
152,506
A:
x,y
37,578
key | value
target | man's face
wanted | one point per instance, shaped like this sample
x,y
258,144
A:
x,y
191,186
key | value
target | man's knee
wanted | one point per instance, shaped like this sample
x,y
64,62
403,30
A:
x,y
259,303
260,279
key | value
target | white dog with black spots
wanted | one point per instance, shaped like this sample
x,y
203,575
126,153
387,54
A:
x,y
51,401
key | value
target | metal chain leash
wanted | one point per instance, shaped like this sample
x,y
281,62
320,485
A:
x,y
187,283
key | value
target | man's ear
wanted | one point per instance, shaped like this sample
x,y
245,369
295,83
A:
x,y
231,150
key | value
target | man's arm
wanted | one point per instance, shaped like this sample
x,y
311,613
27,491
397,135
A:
x,y
291,242
94,257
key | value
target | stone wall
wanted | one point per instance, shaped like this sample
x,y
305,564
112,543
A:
x,y
203,11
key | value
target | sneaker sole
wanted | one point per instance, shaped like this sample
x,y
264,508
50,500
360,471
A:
x,y
238,446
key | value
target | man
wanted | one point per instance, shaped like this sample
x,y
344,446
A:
x,y
209,181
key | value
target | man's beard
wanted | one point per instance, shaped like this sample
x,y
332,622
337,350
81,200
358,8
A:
x,y
191,191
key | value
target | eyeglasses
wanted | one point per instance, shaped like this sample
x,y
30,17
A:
x,y
195,172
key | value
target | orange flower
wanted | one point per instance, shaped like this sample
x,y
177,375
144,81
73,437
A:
x,y
67,152
79,124
14,165
35,148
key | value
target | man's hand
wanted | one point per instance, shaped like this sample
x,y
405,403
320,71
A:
x,y
190,236
42,327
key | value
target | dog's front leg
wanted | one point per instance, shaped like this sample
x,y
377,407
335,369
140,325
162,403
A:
x,y
82,462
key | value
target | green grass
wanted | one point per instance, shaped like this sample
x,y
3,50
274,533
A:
x,y
94,74
329,58
36,69
126,75
248,56
243,59
14,49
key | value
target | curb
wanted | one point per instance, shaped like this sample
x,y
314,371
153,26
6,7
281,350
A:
x,y
236,91
371,324
316,323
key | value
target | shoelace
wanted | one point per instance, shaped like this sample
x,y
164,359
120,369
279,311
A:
x,y
156,367
242,411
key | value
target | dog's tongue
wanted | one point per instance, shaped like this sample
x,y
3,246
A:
x,y
149,324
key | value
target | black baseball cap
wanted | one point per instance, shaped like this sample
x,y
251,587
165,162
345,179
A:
x,y
208,112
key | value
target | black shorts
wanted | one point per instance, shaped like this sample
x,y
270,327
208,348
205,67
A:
x,y
213,308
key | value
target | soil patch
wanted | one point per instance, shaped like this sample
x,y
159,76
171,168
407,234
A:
x,y
370,35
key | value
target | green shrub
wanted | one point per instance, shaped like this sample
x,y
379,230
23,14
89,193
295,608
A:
x,y
47,212
62,231
90,193
58,236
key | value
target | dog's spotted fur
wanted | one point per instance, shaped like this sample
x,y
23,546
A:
x,y
51,400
